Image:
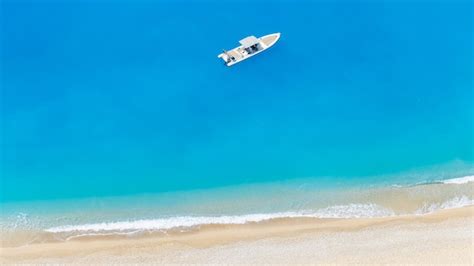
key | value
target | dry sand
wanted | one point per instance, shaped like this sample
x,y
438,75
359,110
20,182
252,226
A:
x,y
445,237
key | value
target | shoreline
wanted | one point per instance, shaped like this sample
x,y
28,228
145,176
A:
x,y
447,238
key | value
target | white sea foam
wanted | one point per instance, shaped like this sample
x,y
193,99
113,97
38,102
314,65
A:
x,y
460,180
340,211
353,211
456,202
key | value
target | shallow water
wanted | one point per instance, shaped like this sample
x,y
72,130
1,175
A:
x,y
62,220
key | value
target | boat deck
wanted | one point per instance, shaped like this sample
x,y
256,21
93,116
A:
x,y
235,53
270,39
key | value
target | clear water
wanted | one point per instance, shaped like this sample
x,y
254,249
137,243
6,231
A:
x,y
121,111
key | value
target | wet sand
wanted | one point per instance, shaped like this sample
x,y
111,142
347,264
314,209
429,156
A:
x,y
444,237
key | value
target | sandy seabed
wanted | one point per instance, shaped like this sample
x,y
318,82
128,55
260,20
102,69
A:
x,y
444,237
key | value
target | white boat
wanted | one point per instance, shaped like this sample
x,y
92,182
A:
x,y
249,47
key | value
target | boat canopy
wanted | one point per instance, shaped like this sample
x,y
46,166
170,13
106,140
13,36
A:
x,y
249,41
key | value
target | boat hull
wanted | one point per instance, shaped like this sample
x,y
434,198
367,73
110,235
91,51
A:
x,y
239,54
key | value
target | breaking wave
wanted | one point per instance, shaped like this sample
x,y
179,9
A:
x,y
340,211
459,180
456,202
332,212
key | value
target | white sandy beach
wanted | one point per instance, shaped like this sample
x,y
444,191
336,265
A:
x,y
445,237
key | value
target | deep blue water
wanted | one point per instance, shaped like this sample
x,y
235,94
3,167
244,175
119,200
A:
x,y
102,99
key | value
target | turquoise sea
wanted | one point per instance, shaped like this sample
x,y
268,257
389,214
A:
x,y
119,117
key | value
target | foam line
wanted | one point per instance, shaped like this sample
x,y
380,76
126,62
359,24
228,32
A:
x,y
459,180
339,211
